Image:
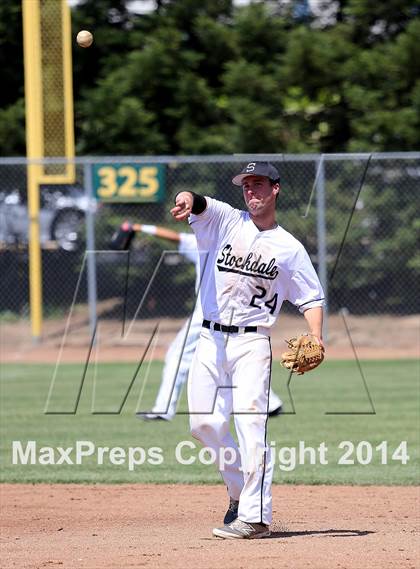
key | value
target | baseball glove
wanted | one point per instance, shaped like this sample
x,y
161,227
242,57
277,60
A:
x,y
122,238
305,353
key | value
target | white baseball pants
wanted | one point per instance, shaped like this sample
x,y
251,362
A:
x,y
176,367
231,373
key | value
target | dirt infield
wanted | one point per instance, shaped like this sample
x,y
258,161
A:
x,y
321,527
368,337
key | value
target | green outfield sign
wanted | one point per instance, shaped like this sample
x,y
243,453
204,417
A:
x,y
129,182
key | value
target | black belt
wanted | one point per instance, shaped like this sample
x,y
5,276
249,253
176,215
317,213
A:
x,y
229,329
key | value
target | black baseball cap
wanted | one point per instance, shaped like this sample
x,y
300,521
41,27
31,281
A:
x,y
257,169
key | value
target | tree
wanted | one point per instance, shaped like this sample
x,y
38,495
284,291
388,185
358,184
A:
x,y
382,92
209,77
11,53
12,129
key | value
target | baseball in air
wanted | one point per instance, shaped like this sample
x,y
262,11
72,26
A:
x,y
84,38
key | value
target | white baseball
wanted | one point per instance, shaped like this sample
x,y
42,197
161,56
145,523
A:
x,y
84,38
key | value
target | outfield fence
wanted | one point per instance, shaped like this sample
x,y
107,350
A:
x,y
355,214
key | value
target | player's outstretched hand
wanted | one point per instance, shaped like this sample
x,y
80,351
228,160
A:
x,y
183,206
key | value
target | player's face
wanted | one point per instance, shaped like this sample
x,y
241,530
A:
x,y
259,194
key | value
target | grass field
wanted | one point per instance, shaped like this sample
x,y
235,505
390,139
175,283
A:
x,y
329,406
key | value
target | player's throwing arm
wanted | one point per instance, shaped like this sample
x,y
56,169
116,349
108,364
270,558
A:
x,y
187,203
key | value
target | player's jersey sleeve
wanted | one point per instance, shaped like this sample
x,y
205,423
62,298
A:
x,y
188,247
209,225
211,229
304,290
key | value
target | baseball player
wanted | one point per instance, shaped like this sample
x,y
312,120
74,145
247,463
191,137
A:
x,y
249,266
180,353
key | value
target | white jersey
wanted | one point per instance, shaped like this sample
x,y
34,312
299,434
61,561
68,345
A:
x,y
246,274
188,248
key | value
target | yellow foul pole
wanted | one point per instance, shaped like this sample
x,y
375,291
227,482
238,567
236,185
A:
x,y
49,119
34,149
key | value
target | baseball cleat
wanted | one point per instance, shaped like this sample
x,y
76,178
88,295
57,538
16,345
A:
x,y
275,411
242,530
150,417
232,512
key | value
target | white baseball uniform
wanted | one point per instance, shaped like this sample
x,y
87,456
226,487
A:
x,y
246,274
180,353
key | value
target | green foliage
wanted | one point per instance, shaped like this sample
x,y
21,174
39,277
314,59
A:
x,y
379,21
381,93
12,106
208,77
253,107
12,129
11,54
260,37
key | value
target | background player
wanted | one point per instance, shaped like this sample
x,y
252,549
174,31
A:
x,y
251,266
180,353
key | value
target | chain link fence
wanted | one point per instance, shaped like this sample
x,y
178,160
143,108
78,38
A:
x,y
355,214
